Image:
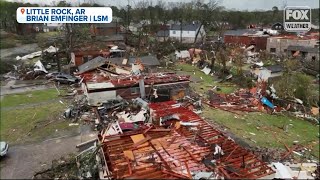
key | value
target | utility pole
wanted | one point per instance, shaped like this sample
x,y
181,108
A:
x,y
128,15
127,31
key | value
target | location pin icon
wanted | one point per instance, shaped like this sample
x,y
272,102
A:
x,y
22,10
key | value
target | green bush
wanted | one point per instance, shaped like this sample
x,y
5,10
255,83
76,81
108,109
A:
x,y
243,82
295,85
6,66
4,44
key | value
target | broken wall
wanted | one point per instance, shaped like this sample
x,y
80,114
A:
x,y
177,94
96,98
259,41
129,93
281,44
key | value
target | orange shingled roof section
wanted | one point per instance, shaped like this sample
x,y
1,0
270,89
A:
x,y
172,154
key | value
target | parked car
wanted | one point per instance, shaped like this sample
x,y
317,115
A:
x,y
4,148
65,79
52,75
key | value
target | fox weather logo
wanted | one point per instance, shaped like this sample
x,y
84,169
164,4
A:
x,y
297,18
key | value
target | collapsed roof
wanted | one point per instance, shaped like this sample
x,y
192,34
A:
x,y
100,61
182,152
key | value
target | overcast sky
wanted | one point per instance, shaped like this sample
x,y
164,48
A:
x,y
229,4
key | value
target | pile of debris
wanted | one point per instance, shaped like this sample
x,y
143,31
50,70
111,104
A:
x,y
241,100
260,98
79,109
295,170
86,163
50,49
113,112
63,168
25,72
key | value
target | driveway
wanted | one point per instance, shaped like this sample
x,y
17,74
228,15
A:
x,y
22,161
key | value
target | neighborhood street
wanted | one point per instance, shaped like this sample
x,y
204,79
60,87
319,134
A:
x,y
22,161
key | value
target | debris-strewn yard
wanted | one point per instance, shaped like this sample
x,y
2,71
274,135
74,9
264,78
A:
x,y
202,82
33,116
256,128
265,130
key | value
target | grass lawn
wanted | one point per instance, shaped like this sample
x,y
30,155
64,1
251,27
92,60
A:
x,y
264,126
5,44
47,34
28,97
256,129
16,124
208,82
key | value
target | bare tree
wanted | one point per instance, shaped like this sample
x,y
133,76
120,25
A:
x,y
237,55
222,57
162,16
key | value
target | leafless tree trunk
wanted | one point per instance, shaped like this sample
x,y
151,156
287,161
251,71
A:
x,y
69,39
195,39
181,30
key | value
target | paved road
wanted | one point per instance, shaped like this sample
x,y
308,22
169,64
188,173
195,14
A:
x,y
21,50
7,90
23,161
21,88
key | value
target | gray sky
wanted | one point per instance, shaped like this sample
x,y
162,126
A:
x,y
229,4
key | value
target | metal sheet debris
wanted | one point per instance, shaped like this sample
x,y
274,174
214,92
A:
x,y
206,70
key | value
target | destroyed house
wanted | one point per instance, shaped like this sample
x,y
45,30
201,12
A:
x,y
304,52
120,64
280,44
80,57
246,37
190,148
148,61
156,87
92,64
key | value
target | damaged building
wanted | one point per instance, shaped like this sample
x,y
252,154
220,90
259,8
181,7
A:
x,y
247,37
79,57
308,53
121,65
307,47
156,87
178,145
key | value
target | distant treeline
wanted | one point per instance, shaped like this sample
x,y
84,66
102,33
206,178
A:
x,y
214,16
